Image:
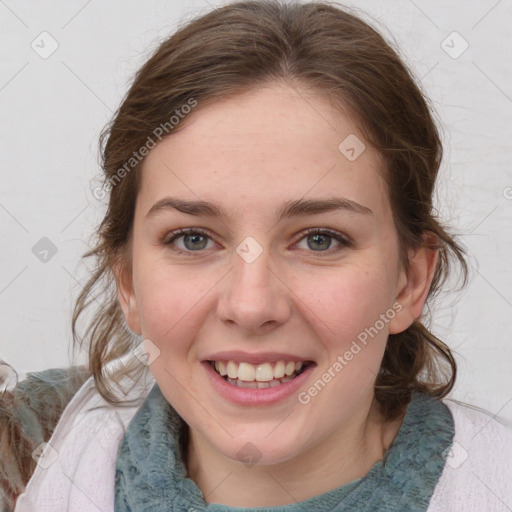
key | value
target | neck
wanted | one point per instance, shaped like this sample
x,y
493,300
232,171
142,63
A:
x,y
346,455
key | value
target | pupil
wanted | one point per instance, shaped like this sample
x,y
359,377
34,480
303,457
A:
x,y
321,237
194,237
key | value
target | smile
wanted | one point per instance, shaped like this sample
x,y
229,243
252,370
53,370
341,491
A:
x,y
259,376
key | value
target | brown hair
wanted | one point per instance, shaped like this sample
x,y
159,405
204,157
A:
x,y
252,43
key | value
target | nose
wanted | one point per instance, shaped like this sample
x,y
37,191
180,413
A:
x,y
254,297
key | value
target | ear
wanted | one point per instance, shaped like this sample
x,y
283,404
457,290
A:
x,y
126,295
414,284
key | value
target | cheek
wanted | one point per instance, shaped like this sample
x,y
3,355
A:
x,y
170,302
348,300
347,317
172,307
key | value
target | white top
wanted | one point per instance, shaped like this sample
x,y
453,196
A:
x,y
76,469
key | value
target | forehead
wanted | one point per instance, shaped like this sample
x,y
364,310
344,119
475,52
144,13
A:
x,y
265,146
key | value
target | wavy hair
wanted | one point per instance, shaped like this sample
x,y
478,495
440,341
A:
x,y
330,50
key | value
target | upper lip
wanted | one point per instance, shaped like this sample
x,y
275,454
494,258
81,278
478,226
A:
x,y
254,357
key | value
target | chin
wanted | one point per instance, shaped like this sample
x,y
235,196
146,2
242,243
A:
x,y
259,451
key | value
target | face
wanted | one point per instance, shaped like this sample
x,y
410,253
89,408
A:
x,y
319,285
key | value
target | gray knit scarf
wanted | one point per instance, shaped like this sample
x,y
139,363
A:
x,y
151,475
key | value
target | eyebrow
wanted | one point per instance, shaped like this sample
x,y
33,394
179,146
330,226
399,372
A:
x,y
294,208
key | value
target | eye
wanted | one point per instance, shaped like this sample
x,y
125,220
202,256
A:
x,y
196,240
322,238
193,240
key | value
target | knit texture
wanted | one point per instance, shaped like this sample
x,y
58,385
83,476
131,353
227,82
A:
x,y
151,475
28,415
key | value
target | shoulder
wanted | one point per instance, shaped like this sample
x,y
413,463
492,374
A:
x,y
478,468
471,421
39,400
28,415
88,420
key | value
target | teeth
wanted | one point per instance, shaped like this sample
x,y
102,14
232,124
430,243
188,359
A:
x,y
221,368
257,385
265,373
232,370
289,369
246,371
279,370
242,384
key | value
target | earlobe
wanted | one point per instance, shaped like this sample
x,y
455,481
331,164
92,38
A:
x,y
415,285
126,297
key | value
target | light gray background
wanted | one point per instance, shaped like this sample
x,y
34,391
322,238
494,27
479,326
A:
x,y
53,109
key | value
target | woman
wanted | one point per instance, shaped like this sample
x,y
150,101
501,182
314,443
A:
x,y
267,255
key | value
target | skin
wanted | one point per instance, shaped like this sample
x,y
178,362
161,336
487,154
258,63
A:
x,y
250,153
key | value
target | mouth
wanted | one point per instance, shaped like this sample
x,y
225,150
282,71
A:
x,y
259,376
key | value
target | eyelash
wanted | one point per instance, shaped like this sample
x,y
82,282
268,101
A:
x,y
344,241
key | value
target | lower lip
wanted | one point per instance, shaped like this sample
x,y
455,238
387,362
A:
x,y
265,396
